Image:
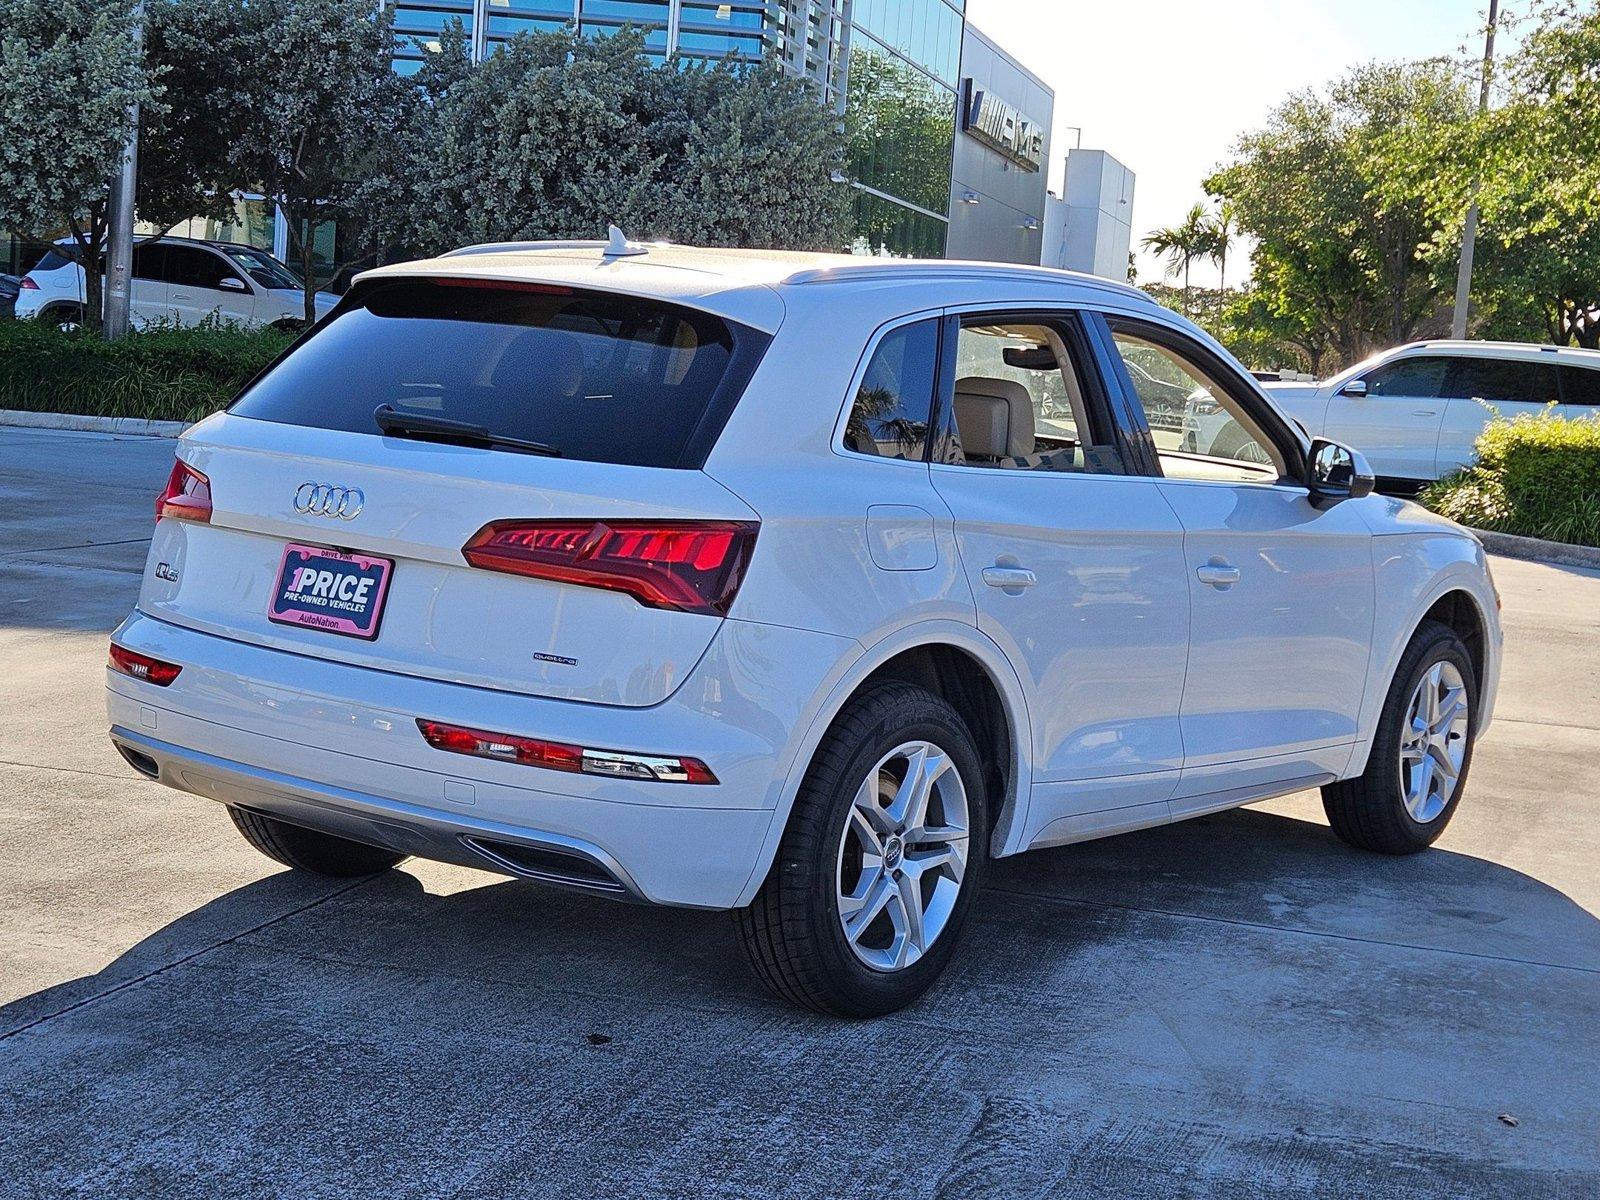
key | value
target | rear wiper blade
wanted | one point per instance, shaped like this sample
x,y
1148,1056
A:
x,y
443,429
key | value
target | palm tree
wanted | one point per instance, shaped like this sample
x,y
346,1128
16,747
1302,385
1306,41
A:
x,y
1221,229
1181,244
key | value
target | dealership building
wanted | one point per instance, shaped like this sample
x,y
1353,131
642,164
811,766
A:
x,y
948,135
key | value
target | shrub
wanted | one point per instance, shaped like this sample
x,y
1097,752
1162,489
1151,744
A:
x,y
166,373
1538,476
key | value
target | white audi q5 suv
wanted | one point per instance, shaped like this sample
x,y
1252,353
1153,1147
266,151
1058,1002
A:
x,y
801,586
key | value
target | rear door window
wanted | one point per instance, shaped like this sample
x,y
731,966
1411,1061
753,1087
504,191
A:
x,y
150,261
600,376
1502,381
189,266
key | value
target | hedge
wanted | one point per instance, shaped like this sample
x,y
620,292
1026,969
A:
x,y
1537,476
167,373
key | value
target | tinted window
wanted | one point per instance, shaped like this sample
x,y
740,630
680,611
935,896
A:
x,y
56,258
188,266
1580,385
1500,380
890,415
150,261
605,378
1420,378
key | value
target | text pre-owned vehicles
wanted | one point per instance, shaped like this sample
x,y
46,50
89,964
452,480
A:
x,y
1416,411
764,582
177,281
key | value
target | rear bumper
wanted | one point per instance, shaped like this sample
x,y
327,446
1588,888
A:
x,y
335,747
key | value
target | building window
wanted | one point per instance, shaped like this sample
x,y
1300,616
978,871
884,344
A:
x,y
901,127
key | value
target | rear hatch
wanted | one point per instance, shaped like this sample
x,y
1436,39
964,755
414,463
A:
x,y
446,544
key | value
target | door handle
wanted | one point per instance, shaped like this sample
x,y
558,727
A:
x,y
1424,412
1219,574
1010,579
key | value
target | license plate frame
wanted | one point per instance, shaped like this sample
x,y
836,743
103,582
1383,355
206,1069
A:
x,y
298,600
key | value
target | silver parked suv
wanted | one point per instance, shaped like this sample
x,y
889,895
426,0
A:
x,y
798,585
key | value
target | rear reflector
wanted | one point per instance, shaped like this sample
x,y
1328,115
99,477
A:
x,y
559,756
689,566
141,666
187,495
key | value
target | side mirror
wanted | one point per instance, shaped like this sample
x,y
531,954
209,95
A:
x,y
1356,388
1334,472
232,283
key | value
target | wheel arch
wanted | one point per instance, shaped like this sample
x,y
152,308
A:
x,y
1456,592
972,673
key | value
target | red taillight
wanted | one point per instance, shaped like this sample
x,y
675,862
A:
x,y
186,496
690,566
141,666
28,284
559,756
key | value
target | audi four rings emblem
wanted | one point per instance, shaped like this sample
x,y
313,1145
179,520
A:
x,y
326,500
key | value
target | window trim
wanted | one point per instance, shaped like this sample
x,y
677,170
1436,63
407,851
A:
x,y
858,376
1247,395
1099,397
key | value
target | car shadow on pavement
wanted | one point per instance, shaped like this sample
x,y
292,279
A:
x,y
1245,868
1223,997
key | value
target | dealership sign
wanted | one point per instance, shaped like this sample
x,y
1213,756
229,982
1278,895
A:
x,y
1002,127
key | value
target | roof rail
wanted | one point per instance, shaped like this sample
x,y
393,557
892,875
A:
x,y
954,269
518,247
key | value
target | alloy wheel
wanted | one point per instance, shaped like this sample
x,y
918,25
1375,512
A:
x,y
1433,744
902,856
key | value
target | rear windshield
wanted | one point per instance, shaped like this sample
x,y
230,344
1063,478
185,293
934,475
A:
x,y
56,258
602,377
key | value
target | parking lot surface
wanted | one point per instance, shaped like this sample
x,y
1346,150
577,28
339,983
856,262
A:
x,y
1236,1006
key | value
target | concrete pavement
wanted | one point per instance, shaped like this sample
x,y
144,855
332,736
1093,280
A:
x,y
1237,1006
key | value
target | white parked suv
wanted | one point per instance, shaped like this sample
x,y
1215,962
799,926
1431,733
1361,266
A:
x,y
177,281
1416,411
763,582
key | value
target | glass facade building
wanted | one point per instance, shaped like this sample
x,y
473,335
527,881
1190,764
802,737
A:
x,y
891,68
695,29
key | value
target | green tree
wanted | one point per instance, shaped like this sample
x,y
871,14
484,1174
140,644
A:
x,y
555,136
69,74
325,106
1537,155
187,144
1342,249
1182,244
1222,229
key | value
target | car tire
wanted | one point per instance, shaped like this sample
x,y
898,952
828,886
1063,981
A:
x,y
794,934
68,318
1399,804
310,850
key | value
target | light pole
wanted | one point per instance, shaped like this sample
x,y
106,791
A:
x,y
119,218
1469,234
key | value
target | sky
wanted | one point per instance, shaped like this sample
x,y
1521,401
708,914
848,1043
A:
x,y
1167,86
